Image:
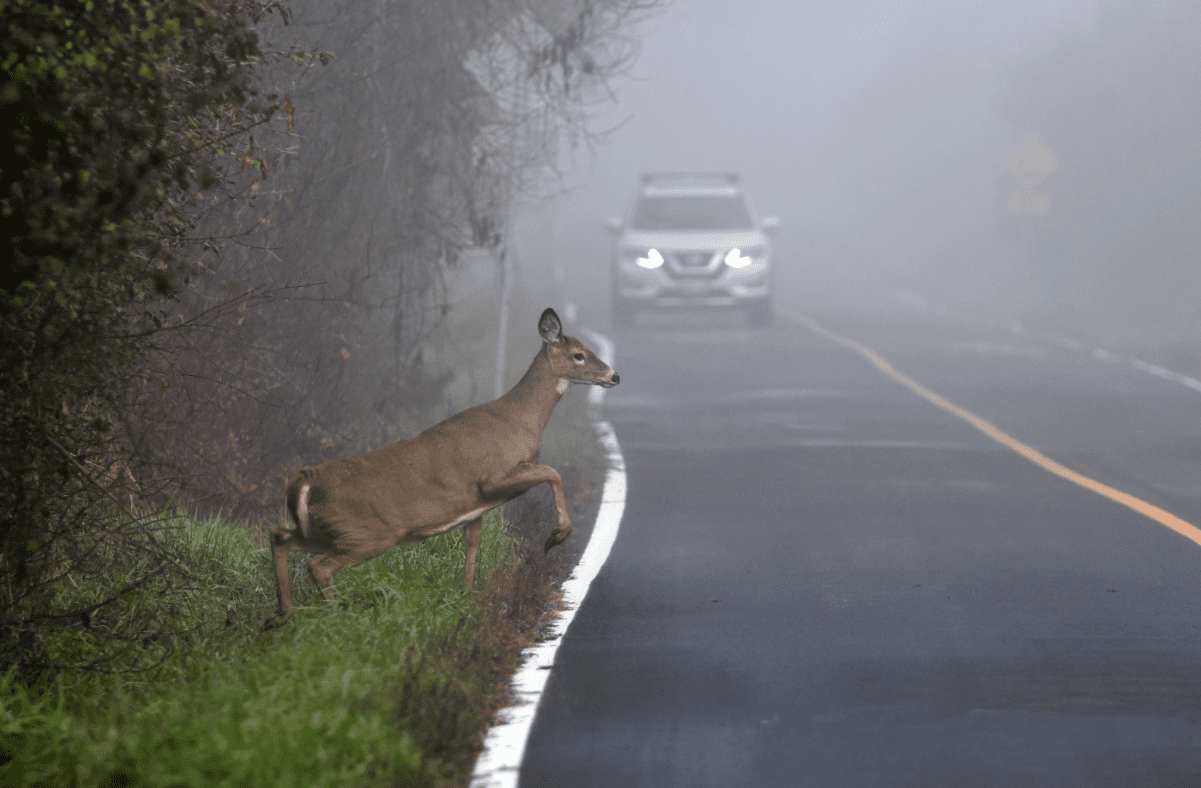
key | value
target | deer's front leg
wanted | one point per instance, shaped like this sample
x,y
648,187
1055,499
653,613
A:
x,y
471,533
525,476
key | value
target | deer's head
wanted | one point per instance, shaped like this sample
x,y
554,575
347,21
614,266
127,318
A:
x,y
570,360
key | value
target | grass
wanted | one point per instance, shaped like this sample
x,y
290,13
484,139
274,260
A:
x,y
391,684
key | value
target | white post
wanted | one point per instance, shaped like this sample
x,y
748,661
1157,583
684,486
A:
x,y
502,339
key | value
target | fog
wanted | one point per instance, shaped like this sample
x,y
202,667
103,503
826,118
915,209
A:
x,y
884,135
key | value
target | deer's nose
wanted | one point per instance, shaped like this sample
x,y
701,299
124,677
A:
x,y
616,378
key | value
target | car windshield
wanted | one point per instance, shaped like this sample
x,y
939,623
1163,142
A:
x,y
691,213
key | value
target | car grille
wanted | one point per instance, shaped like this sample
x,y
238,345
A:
x,y
694,259
694,264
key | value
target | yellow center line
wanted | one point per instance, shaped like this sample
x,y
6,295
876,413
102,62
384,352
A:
x,y
1038,458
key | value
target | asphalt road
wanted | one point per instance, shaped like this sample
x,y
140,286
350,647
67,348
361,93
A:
x,y
821,579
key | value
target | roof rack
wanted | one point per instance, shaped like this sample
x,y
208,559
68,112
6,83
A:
x,y
690,177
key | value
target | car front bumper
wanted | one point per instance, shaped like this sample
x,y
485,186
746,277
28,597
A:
x,y
656,288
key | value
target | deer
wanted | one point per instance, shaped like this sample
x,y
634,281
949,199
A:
x,y
348,511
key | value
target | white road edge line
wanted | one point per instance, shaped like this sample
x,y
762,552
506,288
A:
x,y
1142,366
499,764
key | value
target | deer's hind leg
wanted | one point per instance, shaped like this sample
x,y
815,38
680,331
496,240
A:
x,y
348,548
282,543
322,569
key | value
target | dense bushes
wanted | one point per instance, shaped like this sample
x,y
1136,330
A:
x,y
107,110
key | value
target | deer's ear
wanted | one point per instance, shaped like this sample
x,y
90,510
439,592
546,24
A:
x,y
550,328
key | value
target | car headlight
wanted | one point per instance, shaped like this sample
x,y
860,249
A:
x,y
735,259
653,259
742,257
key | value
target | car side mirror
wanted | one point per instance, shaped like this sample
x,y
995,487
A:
x,y
770,224
613,224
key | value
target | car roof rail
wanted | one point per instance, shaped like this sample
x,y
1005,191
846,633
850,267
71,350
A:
x,y
689,177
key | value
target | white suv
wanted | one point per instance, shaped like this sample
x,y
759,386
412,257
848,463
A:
x,y
692,239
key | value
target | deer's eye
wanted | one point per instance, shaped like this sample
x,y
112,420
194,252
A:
x,y
578,356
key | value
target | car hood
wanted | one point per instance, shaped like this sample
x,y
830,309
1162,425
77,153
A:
x,y
693,239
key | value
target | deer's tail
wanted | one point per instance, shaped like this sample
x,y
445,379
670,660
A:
x,y
302,510
298,505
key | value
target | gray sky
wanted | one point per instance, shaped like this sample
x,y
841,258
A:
x,y
718,85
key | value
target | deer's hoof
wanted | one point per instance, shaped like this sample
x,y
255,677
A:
x,y
275,622
558,536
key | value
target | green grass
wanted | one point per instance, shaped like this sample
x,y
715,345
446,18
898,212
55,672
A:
x,y
391,684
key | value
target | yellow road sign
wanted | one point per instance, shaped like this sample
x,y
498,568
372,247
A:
x,y
1032,161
